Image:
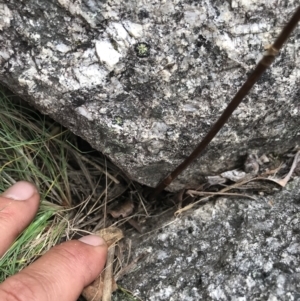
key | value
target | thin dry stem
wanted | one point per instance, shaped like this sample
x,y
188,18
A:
x,y
96,166
261,67
108,274
206,193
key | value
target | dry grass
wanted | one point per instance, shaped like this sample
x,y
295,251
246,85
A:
x,y
77,189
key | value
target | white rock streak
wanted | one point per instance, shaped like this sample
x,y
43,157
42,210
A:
x,y
5,16
107,54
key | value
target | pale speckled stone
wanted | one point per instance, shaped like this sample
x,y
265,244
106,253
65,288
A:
x,y
77,61
229,249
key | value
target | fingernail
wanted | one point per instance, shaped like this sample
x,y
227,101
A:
x,y
20,191
93,240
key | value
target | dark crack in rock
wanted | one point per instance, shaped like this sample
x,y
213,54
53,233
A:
x,y
143,81
230,249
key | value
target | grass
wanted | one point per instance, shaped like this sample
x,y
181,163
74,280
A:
x,y
78,189
73,187
30,151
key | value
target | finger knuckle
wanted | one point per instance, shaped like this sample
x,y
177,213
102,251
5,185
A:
x,y
70,254
17,290
8,221
74,257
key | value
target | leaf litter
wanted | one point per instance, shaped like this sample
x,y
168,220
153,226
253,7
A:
x,y
240,183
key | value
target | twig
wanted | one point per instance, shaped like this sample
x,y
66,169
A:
x,y
272,171
108,274
130,266
264,63
97,166
283,182
206,193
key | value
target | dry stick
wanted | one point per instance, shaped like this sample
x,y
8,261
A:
x,y
264,63
207,193
97,166
108,274
130,266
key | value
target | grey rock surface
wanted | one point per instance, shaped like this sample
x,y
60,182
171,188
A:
x,y
143,81
230,249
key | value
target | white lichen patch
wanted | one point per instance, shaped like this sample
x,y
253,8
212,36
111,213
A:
x,y
84,112
75,9
243,29
216,293
5,16
61,47
195,17
118,31
165,74
121,37
107,54
89,76
161,255
134,29
5,54
157,130
26,81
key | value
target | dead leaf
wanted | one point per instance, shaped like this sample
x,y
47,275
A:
x,y
105,284
264,159
122,210
234,175
135,225
215,180
111,235
273,171
94,291
281,182
284,181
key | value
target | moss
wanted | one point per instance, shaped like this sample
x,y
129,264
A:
x,y
142,49
118,120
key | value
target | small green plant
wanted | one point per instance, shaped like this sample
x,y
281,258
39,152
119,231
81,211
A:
x,y
142,49
123,294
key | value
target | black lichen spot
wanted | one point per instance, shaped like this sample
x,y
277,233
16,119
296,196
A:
x,y
217,11
236,222
195,54
190,230
143,14
283,267
78,100
178,16
142,49
121,97
202,41
111,74
157,112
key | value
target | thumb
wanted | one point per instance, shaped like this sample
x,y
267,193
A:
x,y
18,206
61,274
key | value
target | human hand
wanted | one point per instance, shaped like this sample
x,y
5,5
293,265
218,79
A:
x,y
63,272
